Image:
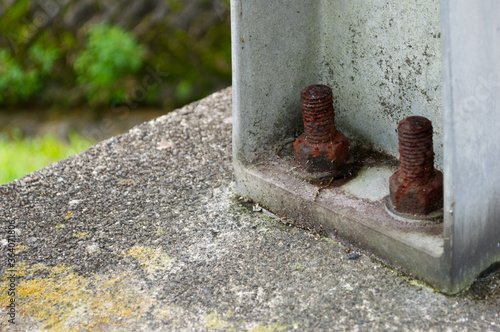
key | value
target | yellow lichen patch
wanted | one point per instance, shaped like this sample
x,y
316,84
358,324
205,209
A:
x,y
213,321
60,227
299,267
68,215
82,235
20,248
61,300
162,313
169,314
326,239
422,284
151,260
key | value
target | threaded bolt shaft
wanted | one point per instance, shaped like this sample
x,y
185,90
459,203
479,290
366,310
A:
x,y
416,190
318,114
321,150
416,155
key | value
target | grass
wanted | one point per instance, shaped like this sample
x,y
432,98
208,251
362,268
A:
x,y
20,156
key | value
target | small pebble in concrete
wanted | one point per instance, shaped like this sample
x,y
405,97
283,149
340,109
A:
x,y
353,256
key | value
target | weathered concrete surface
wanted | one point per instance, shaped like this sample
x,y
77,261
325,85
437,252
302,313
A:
x,y
143,232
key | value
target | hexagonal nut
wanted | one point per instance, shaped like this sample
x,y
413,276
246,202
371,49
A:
x,y
323,157
416,199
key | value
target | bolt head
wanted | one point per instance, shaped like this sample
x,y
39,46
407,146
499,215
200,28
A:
x,y
418,199
322,157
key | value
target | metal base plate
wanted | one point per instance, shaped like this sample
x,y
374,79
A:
x,y
434,217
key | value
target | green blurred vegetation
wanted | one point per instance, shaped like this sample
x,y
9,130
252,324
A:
x,y
20,156
110,55
101,64
161,62
20,81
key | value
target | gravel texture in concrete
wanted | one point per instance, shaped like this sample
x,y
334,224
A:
x,y
144,232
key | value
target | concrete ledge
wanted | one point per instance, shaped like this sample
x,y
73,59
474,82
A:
x,y
143,232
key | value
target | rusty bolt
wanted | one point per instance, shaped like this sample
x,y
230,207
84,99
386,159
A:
x,y
416,190
321,148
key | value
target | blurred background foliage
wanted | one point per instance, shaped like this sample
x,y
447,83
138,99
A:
x,y
66,53
103,60
20,155
110,55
